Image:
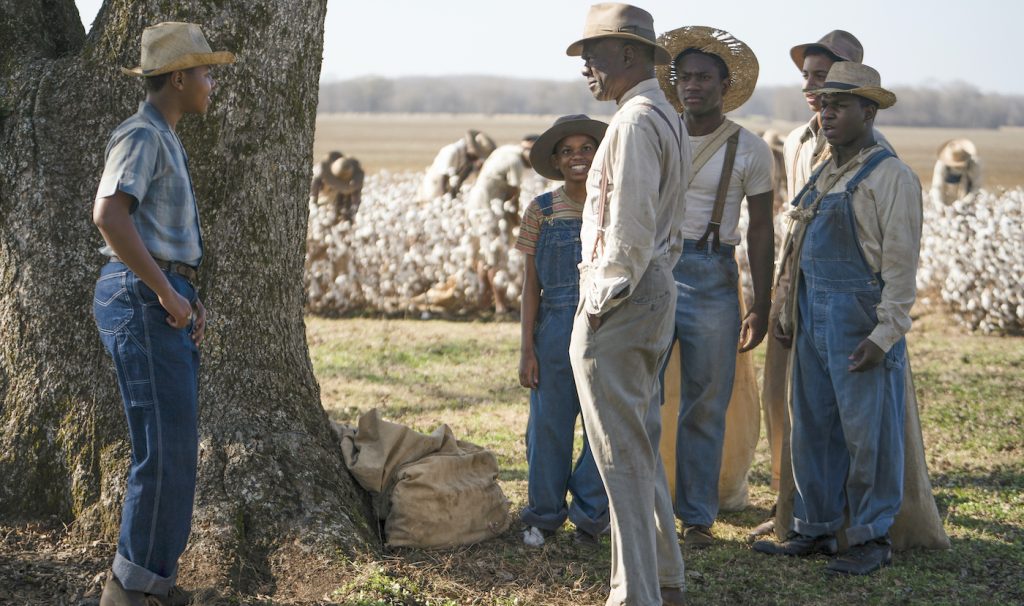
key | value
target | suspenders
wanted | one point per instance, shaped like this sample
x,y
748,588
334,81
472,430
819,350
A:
x,y
723,189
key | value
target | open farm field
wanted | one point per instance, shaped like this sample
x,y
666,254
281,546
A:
x,y
464,374
400,142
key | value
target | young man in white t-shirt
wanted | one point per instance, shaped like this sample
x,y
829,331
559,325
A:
x,y
712,73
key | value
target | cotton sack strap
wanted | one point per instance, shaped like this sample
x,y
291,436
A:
x,y
602,200
711,144
715,224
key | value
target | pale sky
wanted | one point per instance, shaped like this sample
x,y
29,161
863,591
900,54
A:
x,y
910,42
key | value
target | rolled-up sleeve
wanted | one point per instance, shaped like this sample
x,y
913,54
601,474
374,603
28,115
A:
x,y
634,168
898,202
130,165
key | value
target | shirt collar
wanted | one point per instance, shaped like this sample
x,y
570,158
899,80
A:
x,y
643,88
811,130
151,114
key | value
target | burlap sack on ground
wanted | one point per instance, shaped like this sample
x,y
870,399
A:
x,y
430,490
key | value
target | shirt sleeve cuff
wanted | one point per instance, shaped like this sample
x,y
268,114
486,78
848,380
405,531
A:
x,y
885,337
603,295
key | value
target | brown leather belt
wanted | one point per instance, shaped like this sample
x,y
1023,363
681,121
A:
x,y
182,269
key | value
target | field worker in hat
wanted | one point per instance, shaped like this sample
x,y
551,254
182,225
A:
x,y
631,238
775,142
805,149
494,206
322,175
454,163
148,311
550,239
712,72
856,243
918,523
957,172
337,185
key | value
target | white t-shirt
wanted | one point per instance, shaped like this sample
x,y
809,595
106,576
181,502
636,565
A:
x,y
751,175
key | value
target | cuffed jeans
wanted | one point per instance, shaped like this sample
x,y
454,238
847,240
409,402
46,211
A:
x,y
707,325
157,372
616,369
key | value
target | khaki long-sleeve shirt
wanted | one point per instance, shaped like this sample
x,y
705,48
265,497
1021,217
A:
x,y
805,149
647,159
888,215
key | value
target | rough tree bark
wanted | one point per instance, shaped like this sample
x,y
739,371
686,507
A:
x,y
273,492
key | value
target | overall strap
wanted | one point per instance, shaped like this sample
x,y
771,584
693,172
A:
x,y
868,166
723,189
545,202
602,201
714,141
810,183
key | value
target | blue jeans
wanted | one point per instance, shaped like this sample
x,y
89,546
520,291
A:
x,y
707,325
157,372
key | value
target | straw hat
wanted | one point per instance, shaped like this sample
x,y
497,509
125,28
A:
x,y
856,79
957,153
738,58
479,144
344,168
544,146
614,20
841,44
171,46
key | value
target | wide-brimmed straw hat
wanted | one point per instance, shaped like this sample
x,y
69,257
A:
x,y
614,20
957,153
856,79
738,58
544,146
841,44
171,46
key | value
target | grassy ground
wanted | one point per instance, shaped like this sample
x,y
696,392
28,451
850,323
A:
x,y
463,374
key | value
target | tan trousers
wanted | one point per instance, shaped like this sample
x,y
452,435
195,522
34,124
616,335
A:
x,y
616,370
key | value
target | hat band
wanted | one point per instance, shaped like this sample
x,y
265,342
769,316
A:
x,y
636,30
840,85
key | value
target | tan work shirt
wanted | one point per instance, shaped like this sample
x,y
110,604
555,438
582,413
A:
x,y
647,159
805,149
887,211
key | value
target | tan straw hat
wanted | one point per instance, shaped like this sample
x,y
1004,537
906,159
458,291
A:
x,y
171,46
544,146
856,79
614,20
738,58
841,44
479,144
957,153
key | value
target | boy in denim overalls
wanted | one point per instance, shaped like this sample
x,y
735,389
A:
x,y
550,239
855,245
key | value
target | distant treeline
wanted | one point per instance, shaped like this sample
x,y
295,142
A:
x,y
953,105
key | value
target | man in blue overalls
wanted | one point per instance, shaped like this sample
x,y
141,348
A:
x,y
857,240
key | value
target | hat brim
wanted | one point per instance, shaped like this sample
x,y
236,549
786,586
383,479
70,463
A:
x,y
739,59
661,56
797,53
183,62
544,146
885,99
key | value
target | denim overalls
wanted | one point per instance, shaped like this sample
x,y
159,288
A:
x,y
847,440
554,404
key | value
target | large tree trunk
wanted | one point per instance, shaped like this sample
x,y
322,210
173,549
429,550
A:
x,y
272,484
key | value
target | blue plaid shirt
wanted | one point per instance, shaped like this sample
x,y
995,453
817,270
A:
x,y
145,159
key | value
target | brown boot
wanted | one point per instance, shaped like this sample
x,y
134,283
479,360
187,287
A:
x,y
114,594
673,596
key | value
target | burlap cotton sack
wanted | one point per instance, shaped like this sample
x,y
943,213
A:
x,y
430,490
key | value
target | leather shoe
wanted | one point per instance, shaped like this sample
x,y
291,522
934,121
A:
x,y
797,544
673,596
697,537
864,558
114,594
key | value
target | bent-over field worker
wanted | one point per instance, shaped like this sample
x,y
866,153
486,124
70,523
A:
x,y
148,311
630,240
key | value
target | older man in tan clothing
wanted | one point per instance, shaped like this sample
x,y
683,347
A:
x,y
631,238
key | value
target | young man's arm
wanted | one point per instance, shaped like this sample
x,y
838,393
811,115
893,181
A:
x,y
529,370
111,215
761,256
